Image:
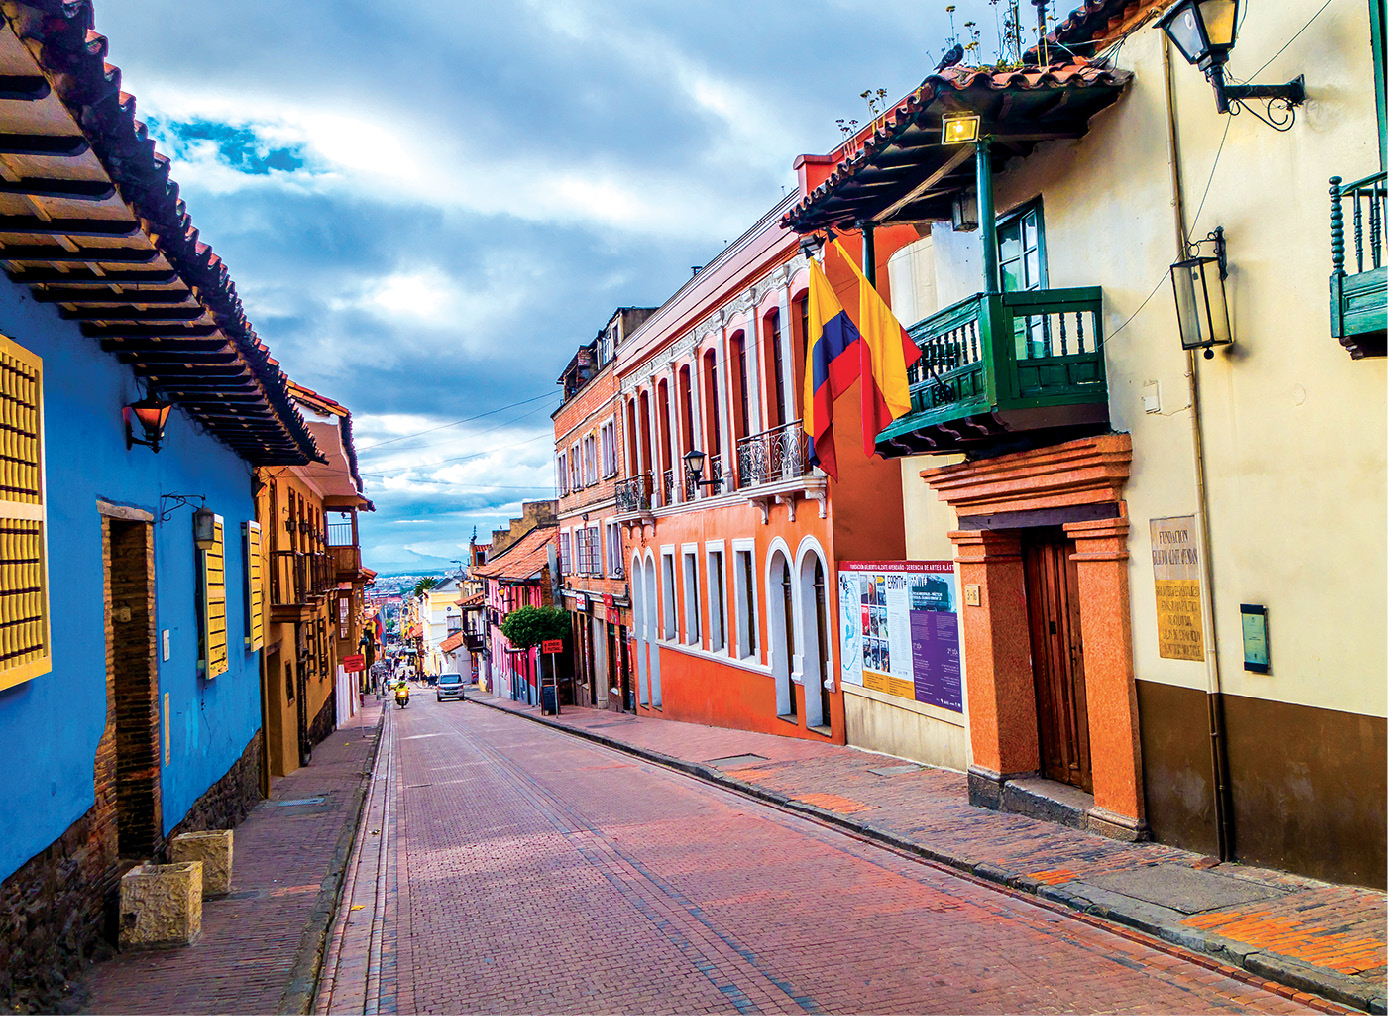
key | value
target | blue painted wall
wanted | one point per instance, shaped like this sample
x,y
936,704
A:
x,y
50,726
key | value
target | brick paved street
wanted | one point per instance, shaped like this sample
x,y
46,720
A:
x,y
507,867
245,960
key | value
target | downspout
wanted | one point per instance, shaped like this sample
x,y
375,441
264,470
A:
x,y
1214,699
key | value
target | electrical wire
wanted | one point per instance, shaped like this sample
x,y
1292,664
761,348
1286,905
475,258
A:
x,y
455,423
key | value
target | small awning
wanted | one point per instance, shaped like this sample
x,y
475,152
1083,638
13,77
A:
x,y
903,171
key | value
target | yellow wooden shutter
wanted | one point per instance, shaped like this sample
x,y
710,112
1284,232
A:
x,y
255,598
214,603
25,646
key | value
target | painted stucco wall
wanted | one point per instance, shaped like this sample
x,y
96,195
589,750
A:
x,y
50,726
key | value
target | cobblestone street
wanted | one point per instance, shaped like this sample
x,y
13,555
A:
x,y
505,867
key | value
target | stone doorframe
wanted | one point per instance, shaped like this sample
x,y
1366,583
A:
x,y
1079,487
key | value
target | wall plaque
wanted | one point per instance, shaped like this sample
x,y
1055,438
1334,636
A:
x,y
1176,570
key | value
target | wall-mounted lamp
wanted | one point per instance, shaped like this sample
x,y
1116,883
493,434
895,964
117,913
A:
x,y
1198,284
1204,32
694,468
811,244
960,128
152,416
205,528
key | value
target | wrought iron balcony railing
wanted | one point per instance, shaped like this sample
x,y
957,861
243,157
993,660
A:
x,y
1359,283
667,488
633,494
773,455
1000,365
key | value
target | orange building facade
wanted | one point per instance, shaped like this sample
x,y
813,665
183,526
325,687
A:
x,y
731,552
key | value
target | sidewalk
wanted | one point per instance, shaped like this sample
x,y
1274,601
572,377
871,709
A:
x,y
1313,936
261,944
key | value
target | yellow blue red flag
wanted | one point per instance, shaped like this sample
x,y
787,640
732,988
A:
x,y
875,351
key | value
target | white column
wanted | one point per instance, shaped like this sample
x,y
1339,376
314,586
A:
x,y
752,343
787,355
721,378
672,421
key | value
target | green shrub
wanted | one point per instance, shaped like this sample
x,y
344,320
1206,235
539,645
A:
x,y
529,626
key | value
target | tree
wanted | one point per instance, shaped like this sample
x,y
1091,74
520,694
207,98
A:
x,y
423,584
529,626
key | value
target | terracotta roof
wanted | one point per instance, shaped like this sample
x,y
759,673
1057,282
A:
x,y
522,560
475,600
1021,107
451,643
326,405
112,244
1100,21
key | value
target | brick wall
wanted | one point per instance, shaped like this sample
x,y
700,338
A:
x,y
133,686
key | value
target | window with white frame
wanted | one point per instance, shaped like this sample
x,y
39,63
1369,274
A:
x,y
575,476
717,599
563,474
614,549
667,593
745,598
692,633
589,551
609,448
590,460
566,553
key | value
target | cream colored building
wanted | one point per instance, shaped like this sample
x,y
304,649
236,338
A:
x,y
1251,617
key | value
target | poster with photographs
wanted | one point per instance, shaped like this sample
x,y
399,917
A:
x,y
899,629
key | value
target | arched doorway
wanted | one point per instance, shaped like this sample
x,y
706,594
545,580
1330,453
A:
x,y
638,620
652,612
780,615
814,628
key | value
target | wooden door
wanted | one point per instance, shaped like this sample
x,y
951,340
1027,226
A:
x,y
1057,660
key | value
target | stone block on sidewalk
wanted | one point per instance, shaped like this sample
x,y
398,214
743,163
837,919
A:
x,y
213,849
161,905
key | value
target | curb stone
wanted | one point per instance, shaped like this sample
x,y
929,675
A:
x,y
1336,987
308,957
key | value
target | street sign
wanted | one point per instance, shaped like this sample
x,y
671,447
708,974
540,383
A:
x,y
354,664
552,646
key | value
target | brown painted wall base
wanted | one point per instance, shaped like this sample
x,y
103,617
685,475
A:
x,y
1308,784
325,722
230,799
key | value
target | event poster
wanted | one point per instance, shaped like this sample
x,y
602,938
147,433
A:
x,y
899,629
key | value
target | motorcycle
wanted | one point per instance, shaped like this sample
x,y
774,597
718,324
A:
x,y
402,695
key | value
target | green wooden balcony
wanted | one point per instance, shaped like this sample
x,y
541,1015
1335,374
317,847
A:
x,y
1359,282
1005,370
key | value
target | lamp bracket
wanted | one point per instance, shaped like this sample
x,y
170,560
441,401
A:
x,y
1216,240
1279,101
179,501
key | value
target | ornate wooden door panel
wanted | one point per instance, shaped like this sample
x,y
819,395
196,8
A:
x,y
1057,656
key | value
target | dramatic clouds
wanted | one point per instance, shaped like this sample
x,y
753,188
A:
x,y
427,206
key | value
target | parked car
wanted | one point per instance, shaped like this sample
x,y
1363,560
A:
x,y
449,686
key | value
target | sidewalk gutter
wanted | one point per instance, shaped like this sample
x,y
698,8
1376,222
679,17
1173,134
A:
x,y
1144,917
308,957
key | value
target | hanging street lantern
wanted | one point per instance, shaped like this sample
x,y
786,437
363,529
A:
x,y
205,528
152,415
1202,312
1204,31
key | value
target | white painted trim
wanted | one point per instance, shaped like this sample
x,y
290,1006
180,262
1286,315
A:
x,y
704,654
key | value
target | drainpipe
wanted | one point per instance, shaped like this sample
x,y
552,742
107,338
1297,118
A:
x,y
1214,699
869,252
987,218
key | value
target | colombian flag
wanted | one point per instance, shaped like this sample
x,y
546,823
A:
x,y
875,351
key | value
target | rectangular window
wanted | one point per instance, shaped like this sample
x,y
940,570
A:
x,y
566,553
609,448
25,646
214,603
1022,262
667,594
614,550
745,600
590,460
255,588
692,633
563,475
717,600
575,469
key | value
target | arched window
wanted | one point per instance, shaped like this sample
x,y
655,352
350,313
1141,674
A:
x,y
780,613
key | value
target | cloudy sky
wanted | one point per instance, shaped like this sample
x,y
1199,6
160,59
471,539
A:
x,y
427,206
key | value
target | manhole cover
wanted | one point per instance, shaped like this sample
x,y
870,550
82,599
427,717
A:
x,y
894,770
295,804
735,761
1187,890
